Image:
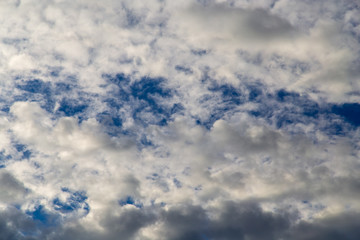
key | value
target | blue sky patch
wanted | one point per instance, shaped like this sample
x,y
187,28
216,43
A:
x,y
145,141
144,98
129,201
61,87
230,95
286,108
39,91
183,69
147,89
119,79
255,93
76,201
22,149
36,86
108,119
3,159
222,100
43,217
72,107
285,96
350,112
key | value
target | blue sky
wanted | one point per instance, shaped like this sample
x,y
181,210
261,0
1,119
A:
x,y
196,120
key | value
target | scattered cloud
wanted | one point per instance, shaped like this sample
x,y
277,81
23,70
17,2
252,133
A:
x,y
208,119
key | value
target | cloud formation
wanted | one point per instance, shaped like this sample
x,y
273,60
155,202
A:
x,y
207,119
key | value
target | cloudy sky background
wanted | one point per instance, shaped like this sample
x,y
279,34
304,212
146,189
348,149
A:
x,y
196,120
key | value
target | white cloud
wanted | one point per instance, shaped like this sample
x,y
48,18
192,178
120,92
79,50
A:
x,y
213,157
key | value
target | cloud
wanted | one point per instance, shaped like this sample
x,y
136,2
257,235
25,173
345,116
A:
x,y
179,120
235,221
343,226
322,43
245,25
12,190
14,224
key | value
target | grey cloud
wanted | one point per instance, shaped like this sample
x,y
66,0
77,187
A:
x,y
267,25
317,185
129,223
247,220
227,221
344,226
126,226
132,185
235,220
257,25
14,225
11,190
187,222
245,138
74,232
244,220
234,180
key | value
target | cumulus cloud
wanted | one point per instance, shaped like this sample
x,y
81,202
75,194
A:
x,y
179,120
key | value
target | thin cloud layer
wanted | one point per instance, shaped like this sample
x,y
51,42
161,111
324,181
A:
x,y
179,120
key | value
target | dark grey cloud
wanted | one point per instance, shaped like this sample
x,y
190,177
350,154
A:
x,y
229,220
343,226
14,224
244,220
249,221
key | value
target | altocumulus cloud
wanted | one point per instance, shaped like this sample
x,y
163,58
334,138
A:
x,y
204,120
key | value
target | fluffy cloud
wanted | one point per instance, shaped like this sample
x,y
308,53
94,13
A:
x,y
179,120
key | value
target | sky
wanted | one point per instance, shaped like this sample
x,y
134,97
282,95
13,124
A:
x,y
179,120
